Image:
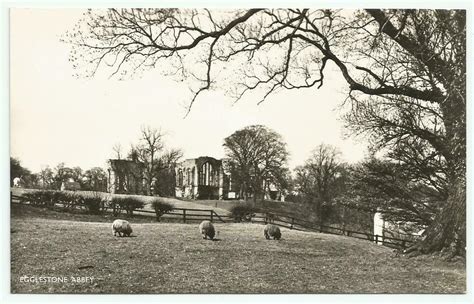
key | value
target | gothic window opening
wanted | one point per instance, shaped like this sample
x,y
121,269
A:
x,y
206,177
180,178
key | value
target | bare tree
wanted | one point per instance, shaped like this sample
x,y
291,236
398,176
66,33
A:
x,y
96,179
62,174
147,151
117,148
257,157
46,176
394,60
318,180
165,172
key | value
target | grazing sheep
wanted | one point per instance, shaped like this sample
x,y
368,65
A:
x,y
207,230
122,227
272,231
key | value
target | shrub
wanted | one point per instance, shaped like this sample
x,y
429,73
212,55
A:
x,y
243,212
161,208
50,198
105,202
93,204
42,198
66,199
33,198
114,205
69,200
127,203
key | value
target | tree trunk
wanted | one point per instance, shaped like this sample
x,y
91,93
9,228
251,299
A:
x,y
244,191
317,207
448,231
255,194
254,197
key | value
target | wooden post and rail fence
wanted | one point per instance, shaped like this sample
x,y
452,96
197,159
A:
x,y
190,215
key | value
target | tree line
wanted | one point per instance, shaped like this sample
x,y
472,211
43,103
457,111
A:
x,y
334,192
149,150
94,179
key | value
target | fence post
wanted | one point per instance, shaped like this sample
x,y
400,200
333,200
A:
x,y
377,239
212,215
184,215
292,222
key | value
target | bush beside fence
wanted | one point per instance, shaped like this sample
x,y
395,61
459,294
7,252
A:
x,y
68,200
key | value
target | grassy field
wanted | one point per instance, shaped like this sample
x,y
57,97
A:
x,y
293,209
173,258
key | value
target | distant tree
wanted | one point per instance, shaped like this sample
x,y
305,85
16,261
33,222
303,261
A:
x,y
158,162
62,174
17,170
165,182
281,179
147,152
320,180
257,156
133,153
389,187
77,174
96,179
117,148
32,181
46,178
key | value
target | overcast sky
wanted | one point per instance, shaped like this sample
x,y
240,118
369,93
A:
x,y
58,118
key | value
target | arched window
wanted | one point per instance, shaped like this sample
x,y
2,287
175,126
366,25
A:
x,y
180,178
206,175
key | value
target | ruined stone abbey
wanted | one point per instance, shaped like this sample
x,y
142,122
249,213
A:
x,y
203,178
124,176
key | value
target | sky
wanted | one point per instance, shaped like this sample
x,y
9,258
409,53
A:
x,y
55,117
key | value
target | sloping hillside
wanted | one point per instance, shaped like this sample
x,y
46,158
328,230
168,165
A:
x,y
173,258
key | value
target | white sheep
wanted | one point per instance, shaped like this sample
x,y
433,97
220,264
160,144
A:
x,y
272,231
207,229
122,227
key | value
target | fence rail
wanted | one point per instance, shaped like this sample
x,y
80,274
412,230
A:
x,y
290,222
187,215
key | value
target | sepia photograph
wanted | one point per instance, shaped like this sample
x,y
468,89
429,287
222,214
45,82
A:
x,y
265,151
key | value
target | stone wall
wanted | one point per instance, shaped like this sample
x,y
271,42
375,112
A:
x,y
125,176
200,178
